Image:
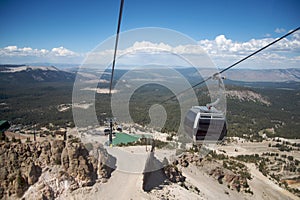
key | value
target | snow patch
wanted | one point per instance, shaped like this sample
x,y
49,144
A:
x,y
100,90
25,68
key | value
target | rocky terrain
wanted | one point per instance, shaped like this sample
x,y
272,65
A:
x,y
69,169
65,163
247,95
52,168
235,178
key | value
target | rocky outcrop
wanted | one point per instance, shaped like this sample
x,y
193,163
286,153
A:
x,y
185,159
105,162
233,181
247,95
67,165
77,163
174,174
156,174
57,148
18,168
215,169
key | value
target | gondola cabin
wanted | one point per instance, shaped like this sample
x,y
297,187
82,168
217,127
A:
x,y
204,123
119,128
106,131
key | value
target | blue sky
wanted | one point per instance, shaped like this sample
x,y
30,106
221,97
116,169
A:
x,y
78,26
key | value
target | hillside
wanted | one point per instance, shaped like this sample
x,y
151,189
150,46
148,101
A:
x,y
251,164
264,75
251,106
55,169
12,74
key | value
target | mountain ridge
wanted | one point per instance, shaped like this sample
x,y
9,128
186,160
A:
x,y
48,72
32,74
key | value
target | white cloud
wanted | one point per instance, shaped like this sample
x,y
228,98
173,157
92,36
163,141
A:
x,y
61,51
16,55
267,35
44,51
280,30
28,51
223,51
11,48
148,53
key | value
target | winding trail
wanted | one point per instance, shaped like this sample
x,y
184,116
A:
x,y
264,188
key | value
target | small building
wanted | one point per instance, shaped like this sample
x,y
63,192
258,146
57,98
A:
x,y
106,131
4,125
119,128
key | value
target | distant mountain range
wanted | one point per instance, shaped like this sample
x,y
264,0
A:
x,y
264,75
32,74
29,74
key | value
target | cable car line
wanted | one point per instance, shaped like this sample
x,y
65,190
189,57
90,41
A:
x,y
234,64
207,123
259,50
113,66
201,122
116,46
